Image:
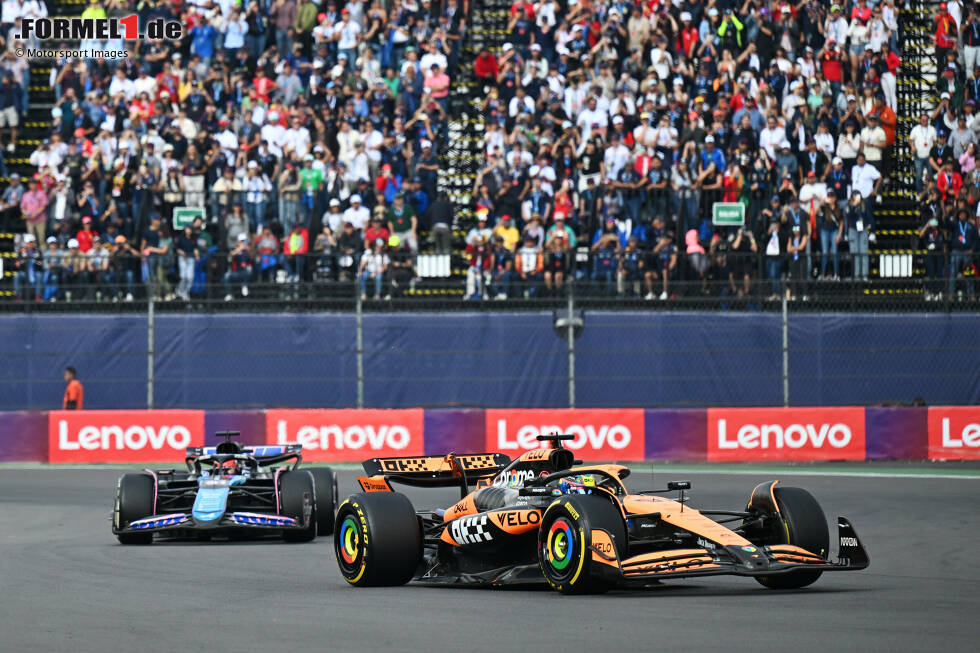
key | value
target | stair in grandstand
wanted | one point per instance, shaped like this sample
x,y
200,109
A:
x,y
33,128
898,215
462,156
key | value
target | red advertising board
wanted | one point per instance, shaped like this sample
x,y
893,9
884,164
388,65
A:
x,y
798,434
954,432
348,435
600,434
123,436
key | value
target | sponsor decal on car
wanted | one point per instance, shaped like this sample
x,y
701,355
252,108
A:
x,y
348,435
470,530
123,436
800,434
599,434
954,432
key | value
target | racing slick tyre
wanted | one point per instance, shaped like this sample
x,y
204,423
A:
x,y
565,544
294,486
804,526
325,484
377,539
134,500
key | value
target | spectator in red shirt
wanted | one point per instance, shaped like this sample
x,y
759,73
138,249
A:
x,y
376,230
945,36
949,182
832,66
86,235
485,67
295,247
263,85
689,35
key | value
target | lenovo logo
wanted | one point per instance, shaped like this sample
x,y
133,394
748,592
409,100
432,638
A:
x,y
954,432
966,436
123,436
597,434
348,435
803,434
134,437
793,436
338,438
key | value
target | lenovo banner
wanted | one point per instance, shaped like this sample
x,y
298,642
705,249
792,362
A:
x,y
954,433
348,435
797,434
123,436
600,434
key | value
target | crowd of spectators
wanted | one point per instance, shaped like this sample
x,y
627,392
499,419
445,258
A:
x,y
615,127
310,131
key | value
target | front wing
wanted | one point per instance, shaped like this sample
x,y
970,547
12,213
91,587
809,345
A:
x,y
177,523
731,560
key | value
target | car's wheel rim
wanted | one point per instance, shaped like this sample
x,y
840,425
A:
x,y
559,547
349,543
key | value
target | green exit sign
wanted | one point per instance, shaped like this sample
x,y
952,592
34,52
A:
x,y
728,214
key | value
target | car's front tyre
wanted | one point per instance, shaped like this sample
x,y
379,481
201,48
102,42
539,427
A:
x,y
565,543
135,499
803,525
377,539
294,487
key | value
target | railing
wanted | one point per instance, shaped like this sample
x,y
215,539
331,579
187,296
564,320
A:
x,y
336,281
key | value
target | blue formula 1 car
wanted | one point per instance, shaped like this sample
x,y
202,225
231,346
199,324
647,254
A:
x,y
228,490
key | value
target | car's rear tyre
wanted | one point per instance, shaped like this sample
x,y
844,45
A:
x,y
565,541
377,539
294,487
135,499
325,483
805,526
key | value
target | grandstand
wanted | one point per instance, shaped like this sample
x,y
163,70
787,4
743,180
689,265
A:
x,y
330,97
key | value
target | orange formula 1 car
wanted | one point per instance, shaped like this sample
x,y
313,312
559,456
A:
x,y
546,517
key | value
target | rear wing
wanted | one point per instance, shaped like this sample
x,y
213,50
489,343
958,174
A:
x,y
258,450
463,470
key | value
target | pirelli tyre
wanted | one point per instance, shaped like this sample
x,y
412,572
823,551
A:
x,y
377,539
803,525
135,499
565,544
325,484
294,487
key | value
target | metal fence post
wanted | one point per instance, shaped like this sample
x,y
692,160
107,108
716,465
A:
x,y
150,349
571,344
360,347
785,353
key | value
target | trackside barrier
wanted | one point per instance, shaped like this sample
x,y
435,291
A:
x,y
696,435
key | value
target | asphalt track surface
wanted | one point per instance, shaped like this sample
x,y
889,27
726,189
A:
x,y
68,586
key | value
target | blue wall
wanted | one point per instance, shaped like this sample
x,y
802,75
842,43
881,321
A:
x,y
491,360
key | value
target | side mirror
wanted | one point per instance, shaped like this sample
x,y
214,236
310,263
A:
x,y
678,485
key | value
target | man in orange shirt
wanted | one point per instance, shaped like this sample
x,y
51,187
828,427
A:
x,y
74,392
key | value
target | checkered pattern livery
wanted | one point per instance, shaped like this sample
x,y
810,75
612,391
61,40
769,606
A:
x,y
436,464
480,461
402,465
470,530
